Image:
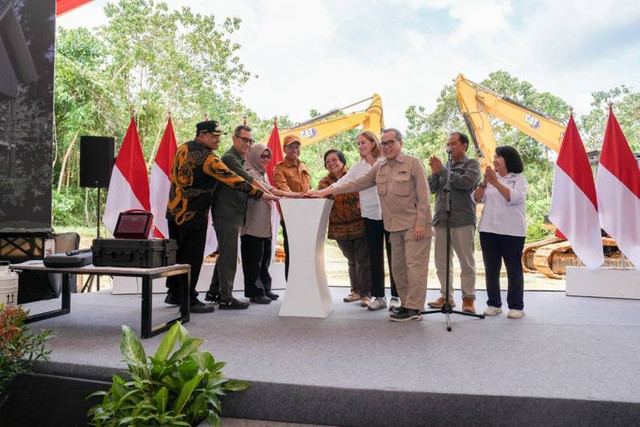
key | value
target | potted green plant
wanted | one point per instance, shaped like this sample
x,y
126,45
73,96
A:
x,y
19,346
179,389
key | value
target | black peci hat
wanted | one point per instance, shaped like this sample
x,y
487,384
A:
x,y
210,126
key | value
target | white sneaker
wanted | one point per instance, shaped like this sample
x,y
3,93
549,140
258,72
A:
x,y
515,314
378,303
492,311
394,303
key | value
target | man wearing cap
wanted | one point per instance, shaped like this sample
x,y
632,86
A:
x,y
401,182
195,173
291,174
228,211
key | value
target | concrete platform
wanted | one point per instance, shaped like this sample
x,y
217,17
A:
x,y
568,361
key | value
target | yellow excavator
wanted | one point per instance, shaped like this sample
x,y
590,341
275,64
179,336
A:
x,y
549,256
332,123
338,120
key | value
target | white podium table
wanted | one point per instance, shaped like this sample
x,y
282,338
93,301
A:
x,y
604,282
307,292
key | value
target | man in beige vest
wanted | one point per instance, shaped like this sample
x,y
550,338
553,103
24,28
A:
x,y
401,182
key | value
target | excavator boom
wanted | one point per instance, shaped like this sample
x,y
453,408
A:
x,y
476,102
319,128
550,256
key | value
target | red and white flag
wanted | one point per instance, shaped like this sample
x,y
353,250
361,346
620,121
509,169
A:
x,y
574,206
276,157
618,184
276,151
160,182
129,185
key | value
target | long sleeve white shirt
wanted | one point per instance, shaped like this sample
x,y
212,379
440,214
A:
x,y
500,216
369,201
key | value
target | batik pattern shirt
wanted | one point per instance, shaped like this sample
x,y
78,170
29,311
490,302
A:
x,y
345,220
195,173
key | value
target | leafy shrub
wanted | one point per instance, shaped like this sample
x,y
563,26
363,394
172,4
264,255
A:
x,y
179,389
19,347
67,207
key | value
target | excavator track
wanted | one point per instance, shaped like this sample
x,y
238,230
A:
x,y
551,257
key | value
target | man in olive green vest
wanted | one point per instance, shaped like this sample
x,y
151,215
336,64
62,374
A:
x,y
228,211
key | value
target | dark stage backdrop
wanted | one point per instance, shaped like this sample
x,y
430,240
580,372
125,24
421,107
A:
x,y
27,36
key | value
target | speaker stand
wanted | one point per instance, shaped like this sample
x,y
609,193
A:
x,y
89,282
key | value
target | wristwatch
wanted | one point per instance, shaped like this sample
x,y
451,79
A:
x,y
481,185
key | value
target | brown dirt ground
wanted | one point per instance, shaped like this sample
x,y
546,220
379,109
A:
x,y
337,272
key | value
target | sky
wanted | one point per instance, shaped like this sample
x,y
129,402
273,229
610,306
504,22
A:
x,y
313,54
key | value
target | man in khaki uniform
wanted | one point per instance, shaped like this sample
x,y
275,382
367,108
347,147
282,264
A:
x,y
401,182
292,175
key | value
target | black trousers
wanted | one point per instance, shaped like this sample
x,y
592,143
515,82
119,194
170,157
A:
x,y
191,242
286,250
256,258
377,239
495,248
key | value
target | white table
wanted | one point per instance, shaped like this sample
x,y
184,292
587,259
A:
x,y
307,292
147,275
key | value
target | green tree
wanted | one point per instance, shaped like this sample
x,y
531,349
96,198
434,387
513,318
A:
x,y
149,61
81,106
428,131
626,107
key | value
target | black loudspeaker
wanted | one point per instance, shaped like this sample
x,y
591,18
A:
x,y
96,161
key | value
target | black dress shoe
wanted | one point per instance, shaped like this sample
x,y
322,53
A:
x,y
171,299
200,307
212,296
272,295
232,304
260,300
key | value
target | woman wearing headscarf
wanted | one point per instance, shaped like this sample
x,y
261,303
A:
x,y
503,228
255,236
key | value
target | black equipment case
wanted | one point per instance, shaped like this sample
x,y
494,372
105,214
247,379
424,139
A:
x,y
138,253
76,258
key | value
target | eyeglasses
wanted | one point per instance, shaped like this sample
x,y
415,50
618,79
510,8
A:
x,y
265,156
246,140
385,144
292,147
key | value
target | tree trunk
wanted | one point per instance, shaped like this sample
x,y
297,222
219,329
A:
x,y
63,167
156,143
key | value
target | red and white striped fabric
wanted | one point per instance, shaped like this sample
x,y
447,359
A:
x,y
618,185
276,157
276,151
160,183
574,207
129,185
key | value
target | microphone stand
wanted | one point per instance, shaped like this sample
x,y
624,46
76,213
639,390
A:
x,y
446,308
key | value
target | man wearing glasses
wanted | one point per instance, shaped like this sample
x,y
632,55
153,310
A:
x,y
291,174
228,211
195,172
401,182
